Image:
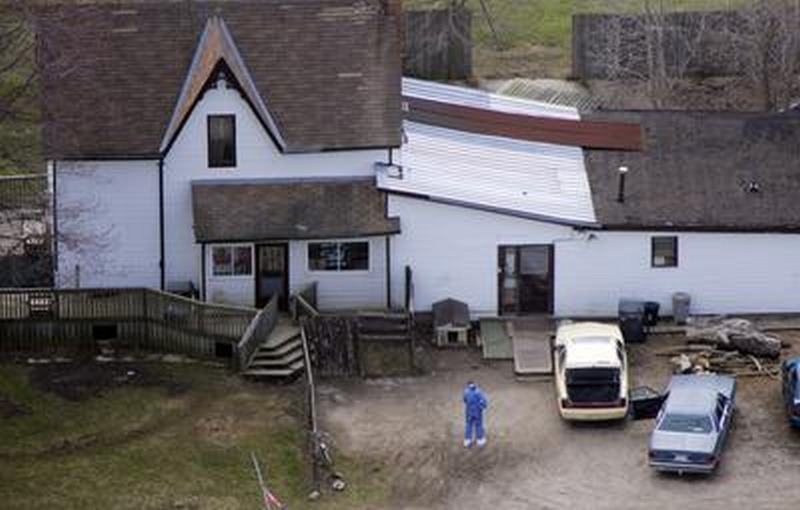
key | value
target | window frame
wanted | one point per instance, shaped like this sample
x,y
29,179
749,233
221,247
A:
x,y
339,270
209,119
233,247
675,252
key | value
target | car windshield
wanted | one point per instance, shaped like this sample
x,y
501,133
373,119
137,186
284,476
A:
x,y
693,424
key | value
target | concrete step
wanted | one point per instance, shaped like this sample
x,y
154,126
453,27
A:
x,y
274,373
277,362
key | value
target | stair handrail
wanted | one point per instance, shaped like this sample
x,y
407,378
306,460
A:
x,y
305,300
256,333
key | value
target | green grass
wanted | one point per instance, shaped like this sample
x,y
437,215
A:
x,y
139,447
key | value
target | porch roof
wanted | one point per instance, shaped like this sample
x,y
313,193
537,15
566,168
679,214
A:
x,y
258,210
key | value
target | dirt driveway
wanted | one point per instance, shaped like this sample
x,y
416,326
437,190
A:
x,y
534,460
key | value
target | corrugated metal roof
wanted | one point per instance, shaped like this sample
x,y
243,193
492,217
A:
x,y
559,92
477,98
481,112
530,179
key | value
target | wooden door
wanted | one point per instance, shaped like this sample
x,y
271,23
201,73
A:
x,y
272,274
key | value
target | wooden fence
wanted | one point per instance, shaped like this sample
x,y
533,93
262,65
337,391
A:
x,y
70,320
438,44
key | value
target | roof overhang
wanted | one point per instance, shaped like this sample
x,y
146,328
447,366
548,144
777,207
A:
x,y
285,209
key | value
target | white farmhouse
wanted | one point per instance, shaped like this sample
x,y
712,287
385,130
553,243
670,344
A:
x,y
246,149
227,148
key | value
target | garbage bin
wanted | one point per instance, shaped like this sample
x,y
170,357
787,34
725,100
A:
x,y
651,313
631,320
681,303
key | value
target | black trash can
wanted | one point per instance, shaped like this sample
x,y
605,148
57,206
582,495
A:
x,y
651,317
631,320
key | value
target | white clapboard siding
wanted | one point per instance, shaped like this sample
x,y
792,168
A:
x,y
346,289
453,251
107,223
256,157
724,273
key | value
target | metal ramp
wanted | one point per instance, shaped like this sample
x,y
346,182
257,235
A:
x,y
532,344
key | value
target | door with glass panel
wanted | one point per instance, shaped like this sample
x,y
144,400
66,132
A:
x,y
525,279
272,274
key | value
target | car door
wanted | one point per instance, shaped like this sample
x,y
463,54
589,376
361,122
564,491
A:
x,y
723,414
785,385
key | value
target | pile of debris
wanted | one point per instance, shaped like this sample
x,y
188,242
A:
x,y
733,346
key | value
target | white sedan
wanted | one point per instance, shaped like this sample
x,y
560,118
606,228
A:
x,y
591,372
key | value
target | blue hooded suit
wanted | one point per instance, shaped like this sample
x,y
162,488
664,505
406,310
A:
x,y
474,404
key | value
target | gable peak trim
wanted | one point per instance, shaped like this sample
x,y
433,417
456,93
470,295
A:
x,y
217,45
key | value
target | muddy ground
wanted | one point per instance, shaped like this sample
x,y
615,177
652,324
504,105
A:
x,y
80,380
534,460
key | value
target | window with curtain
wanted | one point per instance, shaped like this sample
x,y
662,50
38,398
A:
x,y
231,261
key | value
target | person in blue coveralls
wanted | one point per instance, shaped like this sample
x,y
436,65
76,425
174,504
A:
x,y
474,404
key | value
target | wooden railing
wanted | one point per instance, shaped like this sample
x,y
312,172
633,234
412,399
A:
x,y
74,319
304,302
256,334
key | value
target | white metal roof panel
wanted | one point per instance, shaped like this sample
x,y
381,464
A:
x,y
477,98
532,179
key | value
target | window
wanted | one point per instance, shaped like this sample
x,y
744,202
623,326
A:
x,y
664,251
693,424
221,141
353,256
231,261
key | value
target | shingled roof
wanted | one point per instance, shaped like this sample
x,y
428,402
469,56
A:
x,y
703,171
290,209
111,75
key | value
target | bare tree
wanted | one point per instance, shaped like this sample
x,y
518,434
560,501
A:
x,y
650,49
766,38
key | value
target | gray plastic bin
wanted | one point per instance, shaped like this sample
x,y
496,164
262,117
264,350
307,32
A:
x,y
631,315
681,306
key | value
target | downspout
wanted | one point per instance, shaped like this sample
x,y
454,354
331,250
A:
x,y
388,273
54,248
161,220
203,270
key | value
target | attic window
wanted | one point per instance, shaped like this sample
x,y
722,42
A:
x,y
221,141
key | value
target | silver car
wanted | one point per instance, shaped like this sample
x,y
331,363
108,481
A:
x,y
693,423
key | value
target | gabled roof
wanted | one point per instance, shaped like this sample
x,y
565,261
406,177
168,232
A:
x,y
216,44
260,210
703,171
114,75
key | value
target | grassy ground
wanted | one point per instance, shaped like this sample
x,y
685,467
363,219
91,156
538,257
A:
x,y
180,440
